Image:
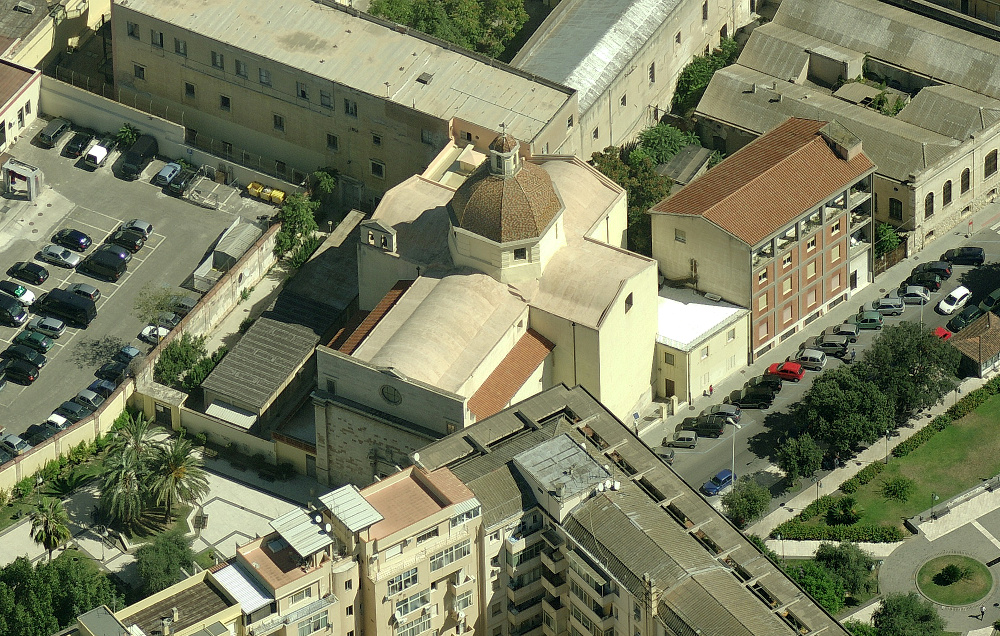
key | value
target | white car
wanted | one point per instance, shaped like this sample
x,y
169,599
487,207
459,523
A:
x,y
17,291
59,256
153,335
955,300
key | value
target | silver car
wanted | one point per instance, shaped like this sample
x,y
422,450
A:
x,y
51,327
731,412
912,294
138,225
59,256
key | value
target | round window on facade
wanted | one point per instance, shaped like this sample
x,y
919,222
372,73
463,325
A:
x,y
391,395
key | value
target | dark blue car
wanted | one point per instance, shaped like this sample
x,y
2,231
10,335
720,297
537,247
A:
x,y
716,484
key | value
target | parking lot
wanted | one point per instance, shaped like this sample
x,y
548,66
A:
x,y
95,202
698,465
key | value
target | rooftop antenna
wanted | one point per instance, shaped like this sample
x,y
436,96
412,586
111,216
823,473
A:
x,y
503,128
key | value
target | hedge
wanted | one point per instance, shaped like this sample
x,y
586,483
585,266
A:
x,y
918,439
864,476
818,507
795,529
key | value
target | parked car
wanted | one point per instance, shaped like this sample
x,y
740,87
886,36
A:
x,y
34,340
72,411
766,380
787,370
991,302
58,422
29,272
138,225
14,444
965,256
964,319
180,184
117,250
182,305
127,354
17,291
167,319
99,152
53,131
132,241
911,294
868,320
955,300
811,359
103,388
682,439
59,256
21,352
925,279
705,425
758,397
941,268
847,329
943,333
73,239
78,144
12,313
90,399
665,453
728,411
167,174
38,433
153,335
51,327
112,372
85,290
722,480
830,345
18,370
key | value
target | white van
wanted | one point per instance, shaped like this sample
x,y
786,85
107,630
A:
x,y
99,153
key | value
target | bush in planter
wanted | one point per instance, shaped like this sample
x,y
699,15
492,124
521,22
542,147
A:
x,y
202,438
794,529
24,487
850,486
285,471
818,507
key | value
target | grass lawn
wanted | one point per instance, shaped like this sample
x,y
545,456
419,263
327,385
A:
x,y
963,592
204,558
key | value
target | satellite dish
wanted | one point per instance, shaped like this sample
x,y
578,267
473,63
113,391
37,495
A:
x,y
328,527
318,518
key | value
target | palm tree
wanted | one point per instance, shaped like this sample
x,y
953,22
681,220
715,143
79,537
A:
x,y
49,524
123,491
176,475
134,437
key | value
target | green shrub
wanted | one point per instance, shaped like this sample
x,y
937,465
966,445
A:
x,y
869,472
304,251
796,530
694,78
918,439
201,438
818,507
850,486
897,488
972,401
246,323
953,573
24,487
846,512
285,471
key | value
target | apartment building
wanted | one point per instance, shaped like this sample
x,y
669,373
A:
x,y
931,126
783,227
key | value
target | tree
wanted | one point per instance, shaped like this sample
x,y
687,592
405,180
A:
x,y
151,302
819,582
746,501
123,493
842,409
886,239
199,372
897,488
762,546
662,141
78,586
177,358
176,475
857,628
799,457
49,524
644,189
133,435
910,365
127,135
485,26
907,615
694,77
852,565
160,561
298,221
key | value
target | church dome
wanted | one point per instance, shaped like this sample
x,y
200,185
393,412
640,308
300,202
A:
x,y
505,199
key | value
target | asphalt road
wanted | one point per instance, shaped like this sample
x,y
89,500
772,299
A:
x,y
95,202
754,441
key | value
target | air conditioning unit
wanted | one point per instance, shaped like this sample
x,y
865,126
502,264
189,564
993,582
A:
x,y
713,297
24,7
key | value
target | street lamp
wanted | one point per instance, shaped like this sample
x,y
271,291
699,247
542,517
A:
x,y
934,497
782,547
818,484
103,533
736,427
886,447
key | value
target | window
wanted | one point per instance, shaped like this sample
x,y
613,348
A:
x,y
762,277
628,303
786,316
811,270
680,236
348,584
835,228
188,89
762,331
27,107
376,140
415,602
465,135
350,610
156,38
418,626
426,137
624,100
990,165
312,625
390,394
463,600
227,149
966,177
652,72
895,209
929,205
301,595
350,107
495,609
402,581
704,353
811,243
301,90
946,194
730,335
569,121
636,611
835,282
704,10
377,168
265,76
325,99
279,122
787,260
241,68
217,60
786,286
427,536
133,30
180,47
835,254
520,254
596,134
677,38
668,358
332,142
449,555
225,103
811,298
762,303
139,71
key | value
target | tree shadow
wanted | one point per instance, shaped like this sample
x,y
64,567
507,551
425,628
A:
x,y
778,427
89,352
65,485
981,280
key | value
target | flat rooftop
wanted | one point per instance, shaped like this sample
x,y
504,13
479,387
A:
x,y
561,467
273,560
412,496
12,78
685,317
362,52
194,604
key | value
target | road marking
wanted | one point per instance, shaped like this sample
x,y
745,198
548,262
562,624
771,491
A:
x,y
995,227
986,533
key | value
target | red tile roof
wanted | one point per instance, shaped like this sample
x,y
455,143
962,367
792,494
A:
x,y
980,340
361,323
510,375
769,182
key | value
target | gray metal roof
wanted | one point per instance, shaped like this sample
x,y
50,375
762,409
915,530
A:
x,y
101,622
236,416
238,240
351,508
338,44
586,44
951,110
302,532
243,587
560,466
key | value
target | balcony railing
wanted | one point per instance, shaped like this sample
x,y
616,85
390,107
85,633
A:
x,y
857,198
274,624
860,217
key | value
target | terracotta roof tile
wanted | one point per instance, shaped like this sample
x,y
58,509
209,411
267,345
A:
x,y
411,496
369,320
505,209
980,340
510,375
769,182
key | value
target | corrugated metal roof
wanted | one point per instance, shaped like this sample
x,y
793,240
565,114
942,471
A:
x,y
236,416
238,240
342,45
302,532
351,508
243,587
697,599
586,44
951,110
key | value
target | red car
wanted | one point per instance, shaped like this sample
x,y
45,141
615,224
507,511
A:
x,y
942,333
787,370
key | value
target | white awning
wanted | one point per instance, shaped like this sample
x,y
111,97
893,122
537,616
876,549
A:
x,y
243,587
236,416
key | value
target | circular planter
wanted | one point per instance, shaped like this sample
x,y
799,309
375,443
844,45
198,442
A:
x,y
973,588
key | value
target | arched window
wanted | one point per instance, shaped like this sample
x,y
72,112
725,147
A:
x,y
929,205
946,194
990,164
966,177
895,209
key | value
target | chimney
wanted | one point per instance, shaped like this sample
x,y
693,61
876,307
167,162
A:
x,y
165,626
174,614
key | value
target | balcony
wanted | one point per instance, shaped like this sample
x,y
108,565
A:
x,y
276,623
554,561
858,244
857,198
554,584
763,255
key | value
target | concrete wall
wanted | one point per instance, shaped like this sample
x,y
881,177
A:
x,y
727,352
223,433
21,109
723,261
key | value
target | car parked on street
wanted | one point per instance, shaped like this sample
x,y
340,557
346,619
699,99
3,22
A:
x,y
766,380
21,352
787,370
85,290
942,333
681,439
72,411
728,411
58,422
991,302
73,239
14,444
90,399
955,300
965,256
102,388
912,294
18,370
53,131
888,306
755,398
182,305
665,453
78,144
112,372
17,291
51,327
132,241
705,425
34,340
153,334
964,319
925,279
941,268
847,329
59,256
868,320
830,345
127,354
29,272
811,359
722,480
